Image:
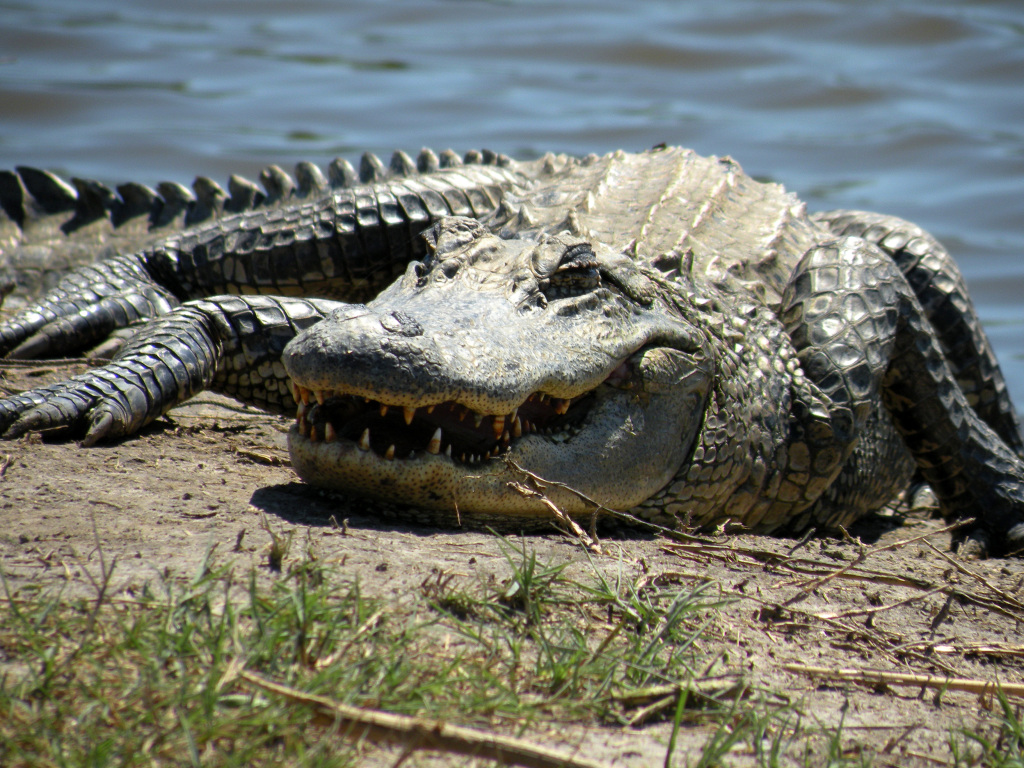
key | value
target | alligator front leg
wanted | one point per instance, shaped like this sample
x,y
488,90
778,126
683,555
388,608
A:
x,y
229,344
942,291
861,333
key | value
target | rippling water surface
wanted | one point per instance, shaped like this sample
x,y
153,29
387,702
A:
x,y
912,108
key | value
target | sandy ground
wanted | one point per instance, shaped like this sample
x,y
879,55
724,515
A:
x,y
209,475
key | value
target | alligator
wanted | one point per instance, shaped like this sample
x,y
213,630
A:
x,y
489,342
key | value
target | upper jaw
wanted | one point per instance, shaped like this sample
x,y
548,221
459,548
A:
x,y
490,363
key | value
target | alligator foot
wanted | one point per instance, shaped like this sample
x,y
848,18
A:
x,y
229,344
165,365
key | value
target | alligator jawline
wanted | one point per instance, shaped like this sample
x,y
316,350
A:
x,y
465,436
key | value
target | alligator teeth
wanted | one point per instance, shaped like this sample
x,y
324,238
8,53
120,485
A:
x,y
505,427
434,446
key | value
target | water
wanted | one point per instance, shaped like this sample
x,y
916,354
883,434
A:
x,y
914,108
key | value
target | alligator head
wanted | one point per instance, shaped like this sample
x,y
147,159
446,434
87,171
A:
x,y
543,353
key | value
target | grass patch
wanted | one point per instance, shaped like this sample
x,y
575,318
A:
x,y
154,678
159,677
1004,750
602,651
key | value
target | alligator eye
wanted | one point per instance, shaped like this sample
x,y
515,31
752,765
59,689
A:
x,y
577,271
575,280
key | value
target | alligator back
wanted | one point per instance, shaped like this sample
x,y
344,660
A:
x,y
726,227
49,226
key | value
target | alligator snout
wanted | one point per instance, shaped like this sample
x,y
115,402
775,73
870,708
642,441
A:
x,y
360,351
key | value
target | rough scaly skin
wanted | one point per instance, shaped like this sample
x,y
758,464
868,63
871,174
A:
x,y
653,332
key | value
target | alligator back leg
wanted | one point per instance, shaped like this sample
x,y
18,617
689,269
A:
x,y
941,289
229,344
861,335
86,307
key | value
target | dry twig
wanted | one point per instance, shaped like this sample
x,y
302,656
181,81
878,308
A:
x,y
977,576
880,608
884,642
589,541
268,459
864,554
419,733
980,687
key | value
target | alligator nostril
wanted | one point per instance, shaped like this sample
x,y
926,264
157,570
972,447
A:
x,y
401,323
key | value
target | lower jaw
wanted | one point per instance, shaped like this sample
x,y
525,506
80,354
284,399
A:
x,y
435,489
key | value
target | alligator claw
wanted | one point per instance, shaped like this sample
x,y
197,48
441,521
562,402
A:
x,y
46,409
33,421
101,426
990,540
7,287
31,348
79,405
100,403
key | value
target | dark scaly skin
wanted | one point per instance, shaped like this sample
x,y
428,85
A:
x,y
348,245
231,345
717,354
942,292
